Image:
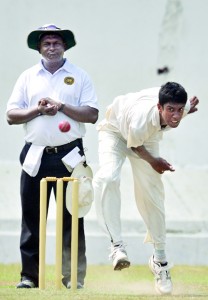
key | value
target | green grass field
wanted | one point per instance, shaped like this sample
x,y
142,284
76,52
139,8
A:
x,y
104,283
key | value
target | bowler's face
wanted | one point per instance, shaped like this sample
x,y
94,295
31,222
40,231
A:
x,y
171,114
52,48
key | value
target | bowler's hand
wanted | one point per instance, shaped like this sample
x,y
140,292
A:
x,y
160,165
194,101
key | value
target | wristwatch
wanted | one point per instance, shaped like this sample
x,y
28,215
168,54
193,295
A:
x,y
61,106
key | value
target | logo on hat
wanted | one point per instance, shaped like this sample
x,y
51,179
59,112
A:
x,y
69,80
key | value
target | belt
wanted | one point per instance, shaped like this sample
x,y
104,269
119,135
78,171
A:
x,y
57,149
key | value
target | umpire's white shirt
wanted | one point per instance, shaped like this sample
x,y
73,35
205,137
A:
x,y
37,83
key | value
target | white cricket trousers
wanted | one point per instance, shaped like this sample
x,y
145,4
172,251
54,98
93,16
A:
x,y
148,189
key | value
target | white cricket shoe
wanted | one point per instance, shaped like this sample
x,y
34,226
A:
x,y
163,283
119,257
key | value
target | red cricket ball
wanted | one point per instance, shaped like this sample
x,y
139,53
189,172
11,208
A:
x,y
64,126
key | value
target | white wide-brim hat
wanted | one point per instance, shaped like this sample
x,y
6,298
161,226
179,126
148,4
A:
x,y
34,37
84,174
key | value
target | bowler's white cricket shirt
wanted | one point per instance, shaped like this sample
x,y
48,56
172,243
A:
x,y
135,117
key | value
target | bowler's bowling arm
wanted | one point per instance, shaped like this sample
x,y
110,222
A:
x,y
157,163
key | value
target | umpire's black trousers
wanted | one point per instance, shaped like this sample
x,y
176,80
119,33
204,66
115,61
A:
x,y
51,165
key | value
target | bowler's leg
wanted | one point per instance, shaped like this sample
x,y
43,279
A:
x,y
107,194
149,194
106,185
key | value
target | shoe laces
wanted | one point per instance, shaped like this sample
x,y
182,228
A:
x,y
162,272
115,248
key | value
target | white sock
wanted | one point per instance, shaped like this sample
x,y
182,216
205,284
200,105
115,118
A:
x,y
160,256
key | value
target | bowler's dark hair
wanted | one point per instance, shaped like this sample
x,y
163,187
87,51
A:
x,y
172,92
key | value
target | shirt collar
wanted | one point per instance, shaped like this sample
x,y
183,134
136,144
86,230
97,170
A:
x,y
156,120
67,66
156,117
